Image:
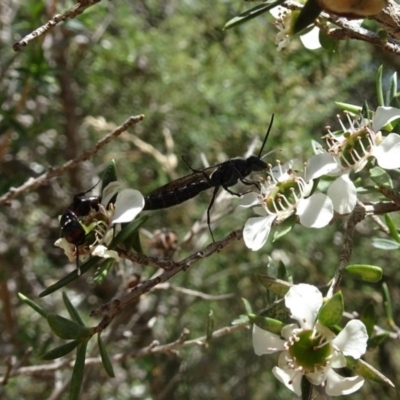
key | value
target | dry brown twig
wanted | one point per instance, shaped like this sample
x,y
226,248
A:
x,y
110,310
33,183
77,9
153,348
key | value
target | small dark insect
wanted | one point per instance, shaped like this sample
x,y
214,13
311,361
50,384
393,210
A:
x,y
71,228
223,175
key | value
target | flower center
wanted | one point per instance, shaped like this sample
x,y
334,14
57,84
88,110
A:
x,y
356,148
309,350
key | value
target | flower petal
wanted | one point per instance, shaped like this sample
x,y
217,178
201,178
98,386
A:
x,y
256,231
304,302
387,153
69,248
249,200
315,211
102,251
310,40
343,194
128,205
265,342
109,192
289,377
383,116
321,164
352,340
337,385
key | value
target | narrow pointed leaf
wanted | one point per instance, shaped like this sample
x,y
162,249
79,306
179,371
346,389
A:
x,y
109,174
391,93
349,107
250,14
71,276
60,351
368,273
368,317
377,340
331,311
379,89
385,244
72,310
276,286
307,15
380,177
128,230
360,367
247,306
210,325
67,329
306,389
268,324
387,303
104,357
103,269
33,305
392,228
78,372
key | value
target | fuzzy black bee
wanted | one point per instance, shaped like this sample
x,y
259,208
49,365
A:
x,y
222,175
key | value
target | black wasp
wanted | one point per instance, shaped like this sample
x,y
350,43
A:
x,y
225,174
71,228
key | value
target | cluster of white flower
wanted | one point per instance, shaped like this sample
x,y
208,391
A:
x,y
285,193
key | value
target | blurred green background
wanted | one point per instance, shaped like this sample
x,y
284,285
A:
x,y
212,92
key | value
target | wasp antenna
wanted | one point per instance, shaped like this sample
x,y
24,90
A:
x,y
266,135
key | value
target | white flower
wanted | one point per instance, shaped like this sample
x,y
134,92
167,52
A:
x,y
282,195
284,23
99,222
350,152
312,349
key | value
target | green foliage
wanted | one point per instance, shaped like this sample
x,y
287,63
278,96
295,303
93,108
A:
x,y
203,90
331,312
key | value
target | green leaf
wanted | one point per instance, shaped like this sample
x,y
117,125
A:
x,y
349,107
331,311
379,88
61,351
247,306
392,228
380,177
274,285
391,93
33,305
78,372
250,14
327,42
103,269
210,325
240,320
377,340
360,367
266,323
135,242
307,15
109,174
385,244
128,231
71,309
387,303
284,228
368,273
368,317
67,329
71,276
306,389
104,357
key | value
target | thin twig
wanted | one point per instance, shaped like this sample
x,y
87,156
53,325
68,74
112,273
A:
x,y
195,293
153,348
77,9
33,183
113,308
